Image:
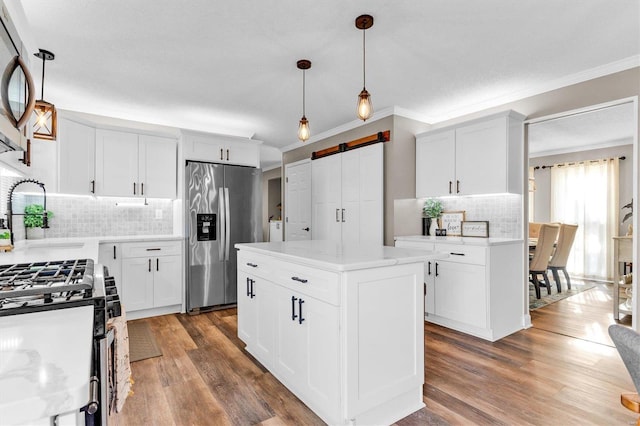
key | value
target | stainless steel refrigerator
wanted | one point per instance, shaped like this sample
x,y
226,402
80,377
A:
x,y
223,207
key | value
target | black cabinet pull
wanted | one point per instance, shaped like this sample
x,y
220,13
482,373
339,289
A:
x,y
93,186
248,291
142,188
157,264
300,319
306,229
134,188
343,215
149,265
301,280
153,249
457,187
450,183
456,254
114,251
293,308
436,269
221,158
252,281
253,265
429,268
227,155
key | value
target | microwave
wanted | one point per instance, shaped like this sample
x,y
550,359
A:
x,y
17,91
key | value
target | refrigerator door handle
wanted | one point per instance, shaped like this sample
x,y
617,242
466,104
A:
x,y
222,233
227,217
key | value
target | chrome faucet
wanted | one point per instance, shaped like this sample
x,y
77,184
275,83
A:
x,y
10,214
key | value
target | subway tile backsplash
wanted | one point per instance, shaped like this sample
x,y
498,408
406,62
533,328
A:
x,y
502,211
92,217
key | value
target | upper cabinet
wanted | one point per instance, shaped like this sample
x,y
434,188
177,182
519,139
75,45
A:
x,y
221,149
76,158
133,165
483,156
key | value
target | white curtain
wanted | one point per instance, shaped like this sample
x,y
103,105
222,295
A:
x,y
587,194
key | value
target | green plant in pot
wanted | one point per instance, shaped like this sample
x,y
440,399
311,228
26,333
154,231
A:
x,y
5,237
33,216
432,210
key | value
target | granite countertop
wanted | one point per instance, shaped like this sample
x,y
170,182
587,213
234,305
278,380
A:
x,y
460,240
331,256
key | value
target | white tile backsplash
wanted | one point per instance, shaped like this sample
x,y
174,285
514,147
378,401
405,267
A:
x,y
92,217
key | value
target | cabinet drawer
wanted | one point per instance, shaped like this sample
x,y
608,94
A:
x,y
256,264
151,248
459,253
322,285
417,245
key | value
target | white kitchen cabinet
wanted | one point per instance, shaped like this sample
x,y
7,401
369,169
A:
x,y
151,278
110,255
221,149
76,158
483,156
348,337
475,290
133,165
347,193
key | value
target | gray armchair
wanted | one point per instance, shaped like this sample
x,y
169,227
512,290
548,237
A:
x,y
627,342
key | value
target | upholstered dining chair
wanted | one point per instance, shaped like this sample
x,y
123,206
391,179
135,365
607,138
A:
x,y
540,261
627,342
534,229
558,261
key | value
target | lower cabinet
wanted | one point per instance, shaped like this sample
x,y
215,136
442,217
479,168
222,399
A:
x,y
477,289
334,339
110,255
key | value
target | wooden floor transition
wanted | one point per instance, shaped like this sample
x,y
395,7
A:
x,y
538,376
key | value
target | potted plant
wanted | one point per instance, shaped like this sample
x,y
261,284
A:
x,y
33,217
432,210
5,237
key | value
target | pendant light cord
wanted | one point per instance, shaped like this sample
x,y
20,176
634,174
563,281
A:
x,y
42,88
364,59
304,72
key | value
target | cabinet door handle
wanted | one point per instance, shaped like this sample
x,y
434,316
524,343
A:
x,y
457,187
134,188
252,294
142,188
343,215
157,264
253,265
293,308
429,268
300,319
221,158
300,280
248,291
337,212
456,254
93,186
149,265
153,249
227,154
114,251
450,183
306,229
436,269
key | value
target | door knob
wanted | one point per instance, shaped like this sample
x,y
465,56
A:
x,y
306,229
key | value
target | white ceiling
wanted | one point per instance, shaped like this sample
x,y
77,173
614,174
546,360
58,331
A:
x,y
230,66
599,128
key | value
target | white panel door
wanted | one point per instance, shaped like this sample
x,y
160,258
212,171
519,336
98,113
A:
x,y
326,198
117,163
297,203
157,166
167,280
460,293
481,157
110,255
435,164
137,284
76,154
371,195
247,308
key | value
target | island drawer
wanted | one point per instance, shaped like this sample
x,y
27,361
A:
x,y
461,253
323,285
416,245
256,264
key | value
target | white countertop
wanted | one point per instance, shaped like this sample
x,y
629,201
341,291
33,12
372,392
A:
x,y
472,241
45,363
69,248
332,256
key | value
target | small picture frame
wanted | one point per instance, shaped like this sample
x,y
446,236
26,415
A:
x,y
452,221
441,232
475,228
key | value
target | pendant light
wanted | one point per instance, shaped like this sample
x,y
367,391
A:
x,y
365,108
45,125
303,127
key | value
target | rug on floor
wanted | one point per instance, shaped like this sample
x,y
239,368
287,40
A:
x,y
547,299
142,344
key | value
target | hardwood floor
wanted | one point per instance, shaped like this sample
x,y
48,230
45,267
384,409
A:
x,y
533,377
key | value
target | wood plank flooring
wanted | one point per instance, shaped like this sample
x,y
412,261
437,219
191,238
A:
x,y
533,377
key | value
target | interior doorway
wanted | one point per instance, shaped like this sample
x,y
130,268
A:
x,y
576,160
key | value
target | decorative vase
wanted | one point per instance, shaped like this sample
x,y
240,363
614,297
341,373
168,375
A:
x,y
35,233
434,226
426,225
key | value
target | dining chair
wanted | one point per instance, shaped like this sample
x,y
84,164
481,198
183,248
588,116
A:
x,y
558,261
540,260
627,343
534,229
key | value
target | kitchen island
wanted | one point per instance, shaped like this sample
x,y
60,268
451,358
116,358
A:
x,y
341,326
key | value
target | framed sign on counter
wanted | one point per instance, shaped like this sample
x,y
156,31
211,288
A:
x,y
475,229
452,221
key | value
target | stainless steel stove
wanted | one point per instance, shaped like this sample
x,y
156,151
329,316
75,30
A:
x,y
31,288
